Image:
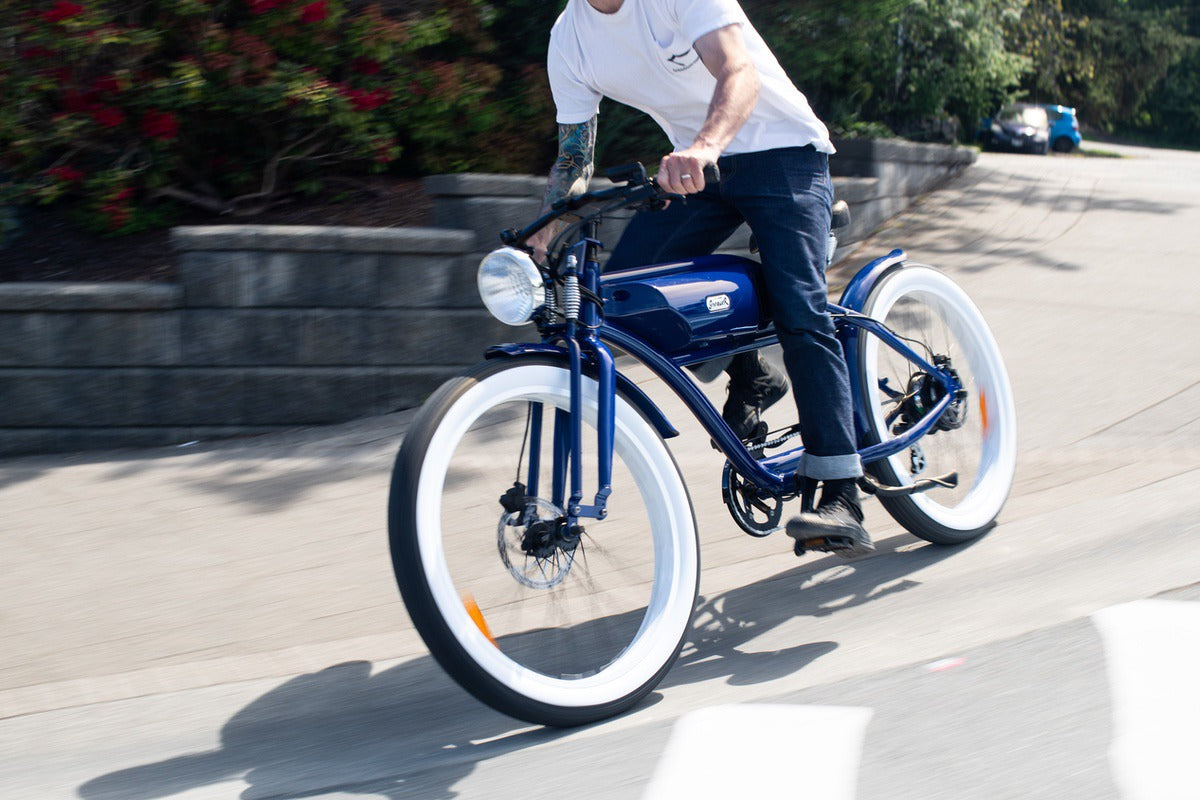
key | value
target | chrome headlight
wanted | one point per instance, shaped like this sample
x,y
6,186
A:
x,y
511,286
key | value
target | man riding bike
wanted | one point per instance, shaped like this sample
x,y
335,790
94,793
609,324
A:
x,y
700,69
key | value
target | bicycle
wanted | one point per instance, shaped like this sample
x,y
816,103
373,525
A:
x,y
558,622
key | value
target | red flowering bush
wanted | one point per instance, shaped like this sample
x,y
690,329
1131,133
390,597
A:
x,y
124,106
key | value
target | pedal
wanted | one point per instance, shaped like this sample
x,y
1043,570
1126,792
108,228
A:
x,y
871,486
809,538
823,544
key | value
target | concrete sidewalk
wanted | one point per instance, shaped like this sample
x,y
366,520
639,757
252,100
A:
x,y
137,572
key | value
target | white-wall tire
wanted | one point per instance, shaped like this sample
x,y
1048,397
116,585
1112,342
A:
x,y
922,304
645,553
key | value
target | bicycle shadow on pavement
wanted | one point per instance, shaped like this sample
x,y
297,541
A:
x,y
400,733
724,623
408,731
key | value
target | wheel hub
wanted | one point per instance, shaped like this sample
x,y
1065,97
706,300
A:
x,y
924,393
545,537
535,542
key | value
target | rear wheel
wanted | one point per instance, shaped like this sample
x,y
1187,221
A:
x,y
975,437
551,625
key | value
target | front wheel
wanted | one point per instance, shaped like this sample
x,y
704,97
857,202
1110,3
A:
x,y
976,436
546,624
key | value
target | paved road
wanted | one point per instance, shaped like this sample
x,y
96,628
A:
x,y
218,620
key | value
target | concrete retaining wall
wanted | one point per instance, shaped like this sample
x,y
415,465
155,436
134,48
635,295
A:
x,y
272,327
877,178
269,327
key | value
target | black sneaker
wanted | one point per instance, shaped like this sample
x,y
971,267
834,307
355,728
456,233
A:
x,y
836,524
754,386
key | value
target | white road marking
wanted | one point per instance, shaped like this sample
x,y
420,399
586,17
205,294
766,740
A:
x,y
1153,649
762,751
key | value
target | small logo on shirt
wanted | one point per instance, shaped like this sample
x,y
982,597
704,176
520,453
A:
x,y
685,60
717,302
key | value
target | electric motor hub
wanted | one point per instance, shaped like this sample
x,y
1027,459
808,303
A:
x,y
924,393
543,538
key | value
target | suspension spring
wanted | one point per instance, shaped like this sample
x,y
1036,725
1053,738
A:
x,y
570,298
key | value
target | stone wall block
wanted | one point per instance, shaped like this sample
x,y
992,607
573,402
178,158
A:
x,y
43,397
89,338
231,396
216,279
412,388
240,337
317,397
304,279
454,337
415,282
191,397
62,296
340,338
337,337
484,185
486,216
287,278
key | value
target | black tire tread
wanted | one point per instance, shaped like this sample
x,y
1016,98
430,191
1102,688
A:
x,y
903,509
418,598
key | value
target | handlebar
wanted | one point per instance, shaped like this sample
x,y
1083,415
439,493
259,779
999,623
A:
x,y
637,190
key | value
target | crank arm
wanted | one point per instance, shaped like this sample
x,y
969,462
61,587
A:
x,y
871,486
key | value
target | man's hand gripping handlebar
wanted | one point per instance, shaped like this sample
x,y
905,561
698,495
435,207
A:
x,y
636,190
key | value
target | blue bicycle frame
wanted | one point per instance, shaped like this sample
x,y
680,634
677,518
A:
x,y
585,344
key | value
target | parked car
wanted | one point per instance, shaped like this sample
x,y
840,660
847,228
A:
x,y
1022,126
1064,128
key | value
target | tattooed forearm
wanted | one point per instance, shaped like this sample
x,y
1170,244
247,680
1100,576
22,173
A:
x,y
573,168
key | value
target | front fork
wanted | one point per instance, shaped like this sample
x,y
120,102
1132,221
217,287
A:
x,y
581,342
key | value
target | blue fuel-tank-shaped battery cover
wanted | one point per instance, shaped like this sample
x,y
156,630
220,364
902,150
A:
x,y
691,306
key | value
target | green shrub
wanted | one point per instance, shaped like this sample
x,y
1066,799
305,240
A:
x,y
228,105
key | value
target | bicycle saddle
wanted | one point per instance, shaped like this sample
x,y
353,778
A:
x,y
841,218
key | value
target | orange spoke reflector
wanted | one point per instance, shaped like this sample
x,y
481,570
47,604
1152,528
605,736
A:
x,y
477,617
983,412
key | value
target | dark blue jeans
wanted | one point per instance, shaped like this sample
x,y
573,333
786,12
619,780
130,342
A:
x,y
785,196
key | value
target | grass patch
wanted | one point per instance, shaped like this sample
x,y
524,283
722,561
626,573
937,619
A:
x,y
1095,152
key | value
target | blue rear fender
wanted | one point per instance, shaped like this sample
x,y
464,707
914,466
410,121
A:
x,y
854,296
640,400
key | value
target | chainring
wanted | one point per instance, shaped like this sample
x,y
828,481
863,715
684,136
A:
x,y
756,511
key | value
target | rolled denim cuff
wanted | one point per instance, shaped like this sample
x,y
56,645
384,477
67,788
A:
x,y
829,468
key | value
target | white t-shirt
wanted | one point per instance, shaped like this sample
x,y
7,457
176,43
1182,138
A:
x,y
643,55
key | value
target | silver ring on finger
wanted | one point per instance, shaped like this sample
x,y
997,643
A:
x,y
684,176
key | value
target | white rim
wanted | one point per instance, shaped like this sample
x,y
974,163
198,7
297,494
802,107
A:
x,y
672,528
998,453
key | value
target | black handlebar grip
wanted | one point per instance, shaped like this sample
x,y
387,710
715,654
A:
x,y
712,173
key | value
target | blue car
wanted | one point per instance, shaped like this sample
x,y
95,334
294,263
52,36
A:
x,y
1064,128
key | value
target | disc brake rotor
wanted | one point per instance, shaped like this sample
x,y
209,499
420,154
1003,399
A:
x,y
533,547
